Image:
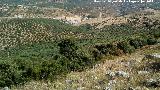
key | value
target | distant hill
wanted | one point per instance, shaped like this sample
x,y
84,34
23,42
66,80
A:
x,y
83,7
29,1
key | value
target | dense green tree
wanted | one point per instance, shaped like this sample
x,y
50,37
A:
x,y
68,48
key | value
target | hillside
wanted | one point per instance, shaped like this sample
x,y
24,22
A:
x,y
99,77
79,45
22,31
83,7
30,1
16,31
43,49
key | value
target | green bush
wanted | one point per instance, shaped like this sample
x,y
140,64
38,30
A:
x,y
108,49
68,48
15,72
10,74
75,60
151,41
155,33
102,49
125,46
86,26
138,42
29,62
96,54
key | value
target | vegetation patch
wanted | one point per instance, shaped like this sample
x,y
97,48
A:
x,y
42,49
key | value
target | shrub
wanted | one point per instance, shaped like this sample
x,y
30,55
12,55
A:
x,y
125,46
151,41
10,74
138,42
109,49
102,48
19,71
75,59
68,48
86,26
97,54
157,34
23,67
52,69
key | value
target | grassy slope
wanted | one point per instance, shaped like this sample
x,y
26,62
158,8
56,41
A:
x,y
96,79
